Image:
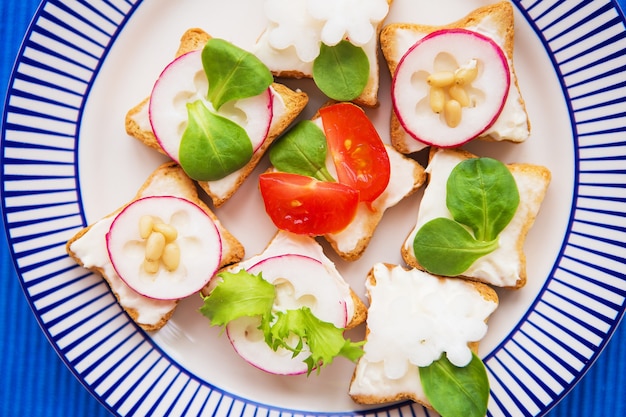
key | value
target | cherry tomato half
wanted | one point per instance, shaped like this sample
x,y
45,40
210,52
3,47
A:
x,y
304,205
358,152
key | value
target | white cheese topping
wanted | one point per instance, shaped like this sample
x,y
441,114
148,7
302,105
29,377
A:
x,y
413,319
512,124
297,29
503,266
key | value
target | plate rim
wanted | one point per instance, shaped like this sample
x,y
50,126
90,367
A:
x,y
51,338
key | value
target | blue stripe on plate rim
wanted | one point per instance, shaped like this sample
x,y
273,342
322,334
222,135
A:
x,y
542,358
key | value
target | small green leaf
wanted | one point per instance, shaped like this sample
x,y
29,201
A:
x,y
325,340
233,73
302,150
455,391
444,247
482,194
239,295
341,71
212,146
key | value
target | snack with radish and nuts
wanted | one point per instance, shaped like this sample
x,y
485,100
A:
x,y
455,83
215,110
285,310
161,247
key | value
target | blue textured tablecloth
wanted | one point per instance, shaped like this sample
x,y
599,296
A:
x,y
35,382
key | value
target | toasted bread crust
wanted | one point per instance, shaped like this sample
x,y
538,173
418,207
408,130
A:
x,y
295,101
170,172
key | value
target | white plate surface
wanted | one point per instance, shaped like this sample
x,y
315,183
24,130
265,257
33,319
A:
x,y
67,162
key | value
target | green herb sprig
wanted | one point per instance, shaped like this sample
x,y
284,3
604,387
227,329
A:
x,y
341,71
242,294
456,391
213,146
482,197
302,150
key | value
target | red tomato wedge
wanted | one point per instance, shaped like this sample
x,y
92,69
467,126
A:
x,y
304,205
359,154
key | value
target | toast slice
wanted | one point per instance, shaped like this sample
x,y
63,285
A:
x,y
406,177
88,247
288,104
405,302
506,266
495,21
286,63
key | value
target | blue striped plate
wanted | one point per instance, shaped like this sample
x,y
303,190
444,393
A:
x,y
66,161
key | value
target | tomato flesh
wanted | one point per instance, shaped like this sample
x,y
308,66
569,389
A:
x,y
304,205
359,154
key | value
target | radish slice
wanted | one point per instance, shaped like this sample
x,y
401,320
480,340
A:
x,y
444,52
300,281
184,81
191,234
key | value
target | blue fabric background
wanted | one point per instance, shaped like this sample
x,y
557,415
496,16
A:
x,y
34,382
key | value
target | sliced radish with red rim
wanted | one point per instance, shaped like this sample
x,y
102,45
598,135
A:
x,y
300,281
184,81
449,67
164,247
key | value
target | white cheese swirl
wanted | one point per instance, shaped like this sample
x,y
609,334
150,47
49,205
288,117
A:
x,y
306,24
413,319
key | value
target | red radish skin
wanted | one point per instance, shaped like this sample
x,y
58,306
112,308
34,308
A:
x,y
184,81
301,281
410,97
198,237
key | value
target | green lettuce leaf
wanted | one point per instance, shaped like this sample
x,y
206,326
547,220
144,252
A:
x,y
239,295
325,340
242,294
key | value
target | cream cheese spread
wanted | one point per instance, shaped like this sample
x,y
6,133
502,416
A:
x,y
401,183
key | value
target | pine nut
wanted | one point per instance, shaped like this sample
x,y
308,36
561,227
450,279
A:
x,y
465,75
167,230
154,246
171,256
459,94
452,113
145,226
151,267
437,98
441,79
